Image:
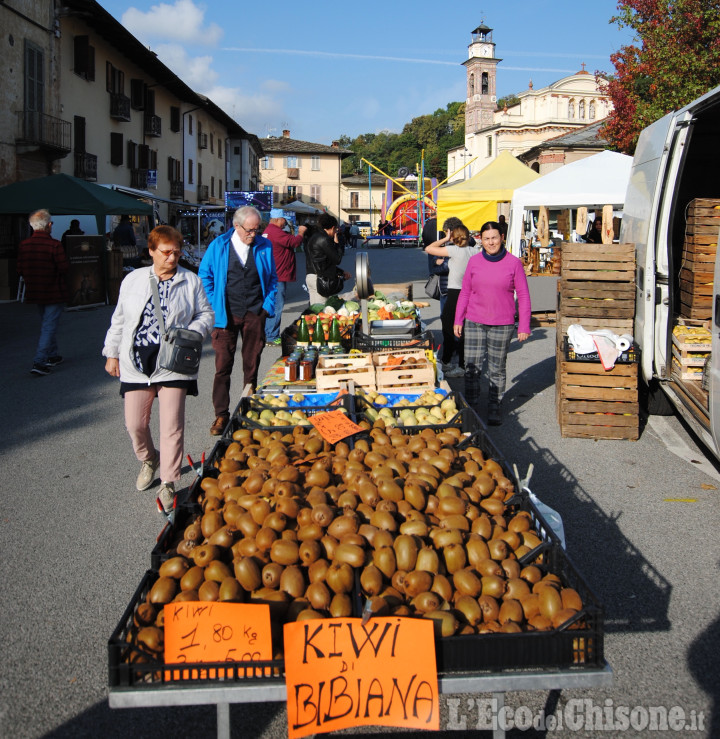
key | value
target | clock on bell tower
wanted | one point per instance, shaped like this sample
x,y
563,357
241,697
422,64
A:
x,y
481,70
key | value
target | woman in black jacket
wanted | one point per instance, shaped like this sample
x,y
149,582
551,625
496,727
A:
x,y
322,256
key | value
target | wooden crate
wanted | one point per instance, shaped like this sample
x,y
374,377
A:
x,y
334,370
618,326
686,372
602,262
416,372
596,404
593,299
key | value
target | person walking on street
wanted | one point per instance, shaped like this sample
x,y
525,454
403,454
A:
x,y
283,247
240,279
485,316
43,265
455,245
354,235
131,349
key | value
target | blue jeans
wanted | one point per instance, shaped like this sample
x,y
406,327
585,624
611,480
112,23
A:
x,y
47,344
272,325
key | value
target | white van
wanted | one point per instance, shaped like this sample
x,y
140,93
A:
x,y
676,161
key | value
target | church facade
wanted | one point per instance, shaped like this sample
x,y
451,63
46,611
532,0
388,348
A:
x,y
564,106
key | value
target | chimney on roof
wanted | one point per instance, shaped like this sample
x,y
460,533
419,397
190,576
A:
x,y
286,133
335,144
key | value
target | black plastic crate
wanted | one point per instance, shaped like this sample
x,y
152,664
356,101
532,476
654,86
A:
x,y
288,339
363,402
368,343
133,666
239,418
631,356
566,647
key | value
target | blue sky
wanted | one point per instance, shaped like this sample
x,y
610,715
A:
x,y
324,69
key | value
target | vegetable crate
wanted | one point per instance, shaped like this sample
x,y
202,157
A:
x,y
334,370
253,414
593,403
595,299
396,371
631,355
618,326
598,262
368,343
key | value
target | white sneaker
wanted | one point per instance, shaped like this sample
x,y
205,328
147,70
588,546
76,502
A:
x,y
147,473
166,498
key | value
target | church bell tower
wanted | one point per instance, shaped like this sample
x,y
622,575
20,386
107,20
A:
x,y
481,69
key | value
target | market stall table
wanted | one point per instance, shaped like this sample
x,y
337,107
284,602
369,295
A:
x,y
274,690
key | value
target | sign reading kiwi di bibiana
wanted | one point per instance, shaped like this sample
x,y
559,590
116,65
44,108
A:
x,y
341,672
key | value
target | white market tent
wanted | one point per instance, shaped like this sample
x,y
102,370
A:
x,y
299,207
593,182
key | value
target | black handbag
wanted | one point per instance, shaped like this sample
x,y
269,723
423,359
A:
x,y
180,348
328,286
432,287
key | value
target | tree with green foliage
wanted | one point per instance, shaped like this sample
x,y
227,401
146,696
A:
x,y
435,133
676,61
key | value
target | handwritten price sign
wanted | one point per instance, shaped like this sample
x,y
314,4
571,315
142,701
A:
x,y
341,673
216,632
334,425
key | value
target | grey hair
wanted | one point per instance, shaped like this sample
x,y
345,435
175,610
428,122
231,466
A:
x,y
242,214
40,219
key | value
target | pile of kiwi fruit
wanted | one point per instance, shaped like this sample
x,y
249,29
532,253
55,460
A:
x,y
425,523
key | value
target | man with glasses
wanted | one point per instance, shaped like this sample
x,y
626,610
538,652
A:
x,y
240,279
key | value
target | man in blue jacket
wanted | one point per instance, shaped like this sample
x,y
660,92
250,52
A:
x,y
240,280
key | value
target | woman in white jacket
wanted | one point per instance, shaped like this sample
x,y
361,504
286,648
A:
x,y
131,348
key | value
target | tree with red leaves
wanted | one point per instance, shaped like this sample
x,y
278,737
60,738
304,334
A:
x,y
676,61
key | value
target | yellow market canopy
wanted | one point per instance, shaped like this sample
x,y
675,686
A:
x,y
474,201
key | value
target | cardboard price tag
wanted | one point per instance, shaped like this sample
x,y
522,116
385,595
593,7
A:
x,y
341,673
216,632
334,425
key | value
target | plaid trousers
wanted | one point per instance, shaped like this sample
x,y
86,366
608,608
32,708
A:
x,y
482,340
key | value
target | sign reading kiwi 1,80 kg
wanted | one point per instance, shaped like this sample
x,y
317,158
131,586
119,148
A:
x,y
198,631
341,672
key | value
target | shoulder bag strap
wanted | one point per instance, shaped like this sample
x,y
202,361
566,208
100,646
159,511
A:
x,y
156,304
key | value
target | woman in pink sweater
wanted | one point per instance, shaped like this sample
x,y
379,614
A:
x,y
485,313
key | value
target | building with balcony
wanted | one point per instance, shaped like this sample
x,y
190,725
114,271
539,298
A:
x,y
357,192
302,170
83,96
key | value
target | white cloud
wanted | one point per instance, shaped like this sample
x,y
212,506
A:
x,y
255,113
276,86
195,71
182,21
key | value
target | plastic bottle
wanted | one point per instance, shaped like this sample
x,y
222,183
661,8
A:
x,y
303,335
334,338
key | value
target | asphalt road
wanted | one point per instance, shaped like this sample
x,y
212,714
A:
x,y
641,525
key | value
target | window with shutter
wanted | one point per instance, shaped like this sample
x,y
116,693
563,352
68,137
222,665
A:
x,y
131,154
116,149
190,171
143,156
137,94
174,118
79,134
84,58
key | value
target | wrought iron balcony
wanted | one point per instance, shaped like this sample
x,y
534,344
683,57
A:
x,y
119,107
45,131
139,178
177,189
203,194
153,125
86,166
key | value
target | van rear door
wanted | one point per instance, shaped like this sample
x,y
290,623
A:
x,y
639,227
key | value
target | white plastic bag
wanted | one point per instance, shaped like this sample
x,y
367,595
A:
x,y
553,518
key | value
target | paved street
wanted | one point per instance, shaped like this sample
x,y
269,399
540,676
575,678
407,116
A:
x,y
641,525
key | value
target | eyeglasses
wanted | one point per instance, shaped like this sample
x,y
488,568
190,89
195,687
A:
x,y
170,253
251,230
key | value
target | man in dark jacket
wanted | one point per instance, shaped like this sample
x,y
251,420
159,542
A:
x,y
283,247
43,264
322,256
